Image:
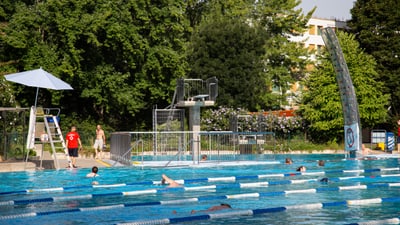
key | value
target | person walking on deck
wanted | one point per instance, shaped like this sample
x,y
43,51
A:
x,y
73,141
99,142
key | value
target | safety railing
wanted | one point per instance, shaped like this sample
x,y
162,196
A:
x,y
197,89
129,147
120,147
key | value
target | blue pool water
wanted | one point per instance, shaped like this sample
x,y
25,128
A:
x,y
357,191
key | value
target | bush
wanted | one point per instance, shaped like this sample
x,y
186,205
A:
x,y
221,119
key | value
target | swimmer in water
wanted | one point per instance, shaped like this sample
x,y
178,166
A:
x,y
171,183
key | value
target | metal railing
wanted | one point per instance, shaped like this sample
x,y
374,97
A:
x,y
120,147
190,89
129,147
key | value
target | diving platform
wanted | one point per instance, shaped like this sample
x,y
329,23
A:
x,y
198,100
194,94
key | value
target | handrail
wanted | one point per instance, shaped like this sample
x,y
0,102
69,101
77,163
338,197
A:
x,y
121,157
179,152
130,149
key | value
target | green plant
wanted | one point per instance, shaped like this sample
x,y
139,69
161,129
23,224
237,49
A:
x,y
17,152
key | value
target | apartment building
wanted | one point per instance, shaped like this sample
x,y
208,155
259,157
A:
x,y
312,40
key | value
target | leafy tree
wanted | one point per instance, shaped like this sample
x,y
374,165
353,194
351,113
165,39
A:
x,y
284,60
245,44
376,26
234,59
121,57
321,105
8,7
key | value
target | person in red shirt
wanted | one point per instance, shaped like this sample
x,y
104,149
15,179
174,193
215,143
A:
x,y
73,141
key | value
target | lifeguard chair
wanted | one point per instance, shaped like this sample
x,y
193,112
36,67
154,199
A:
x,y
44,128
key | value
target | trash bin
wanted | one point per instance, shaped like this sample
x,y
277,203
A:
x,y
390,141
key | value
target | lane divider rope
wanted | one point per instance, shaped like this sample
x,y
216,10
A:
x,y
198,180
379,222
207,198
252,212
210,216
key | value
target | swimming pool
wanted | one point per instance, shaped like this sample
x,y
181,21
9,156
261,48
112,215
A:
x,y
357,191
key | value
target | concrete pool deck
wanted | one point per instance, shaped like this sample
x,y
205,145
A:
x,y
84,162
48,163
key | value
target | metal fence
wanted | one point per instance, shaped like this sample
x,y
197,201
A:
x,y
128,147
120,147
168,119
12,146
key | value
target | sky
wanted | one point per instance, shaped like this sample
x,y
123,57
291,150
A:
x,y
329,9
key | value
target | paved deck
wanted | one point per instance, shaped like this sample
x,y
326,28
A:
x,y
48,163
83,162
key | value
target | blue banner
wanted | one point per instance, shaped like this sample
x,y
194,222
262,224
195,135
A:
x,y
351,135
390,141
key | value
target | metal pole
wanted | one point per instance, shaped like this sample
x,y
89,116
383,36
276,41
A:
x,y
37,94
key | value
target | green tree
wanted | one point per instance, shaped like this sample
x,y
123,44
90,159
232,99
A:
x,y
376,26
245,44
285,61
232,51
8,7
321,105
121,57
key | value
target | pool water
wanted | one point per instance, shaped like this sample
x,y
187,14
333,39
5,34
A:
x,y
357,192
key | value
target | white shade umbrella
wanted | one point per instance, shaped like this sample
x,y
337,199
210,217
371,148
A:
x,y
38,78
